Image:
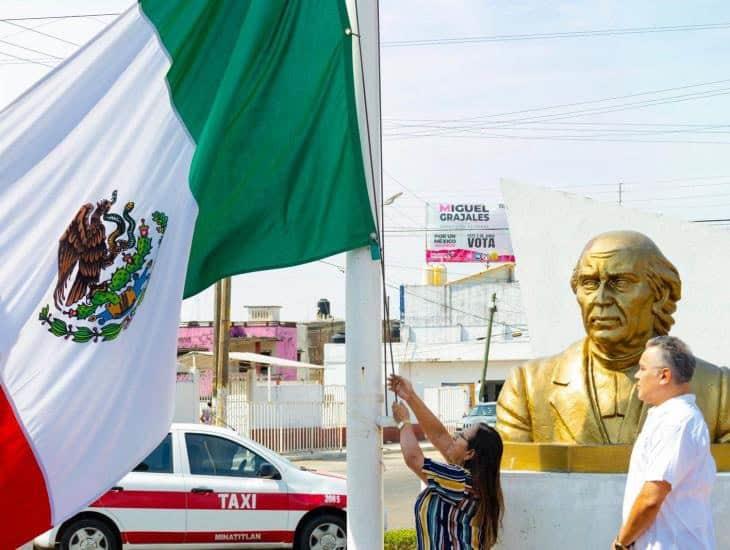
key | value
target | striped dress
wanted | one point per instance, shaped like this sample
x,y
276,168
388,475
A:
x,y
446,511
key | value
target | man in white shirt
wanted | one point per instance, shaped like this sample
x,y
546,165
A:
x,y
671,474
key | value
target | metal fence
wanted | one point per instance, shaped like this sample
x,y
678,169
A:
x,y
449,404
290,427
287,426
306,426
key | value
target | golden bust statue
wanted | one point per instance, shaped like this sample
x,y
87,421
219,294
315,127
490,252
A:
x,y
627,291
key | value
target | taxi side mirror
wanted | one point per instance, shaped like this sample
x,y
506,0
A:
x,y
267,471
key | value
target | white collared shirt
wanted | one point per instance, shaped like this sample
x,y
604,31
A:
x,y
674,446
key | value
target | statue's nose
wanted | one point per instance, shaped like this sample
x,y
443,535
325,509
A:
x,y
603,295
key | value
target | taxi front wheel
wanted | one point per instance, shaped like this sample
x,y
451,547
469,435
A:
x,y
323,532
88,534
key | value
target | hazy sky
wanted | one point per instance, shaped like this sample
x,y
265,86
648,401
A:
x,y
460,116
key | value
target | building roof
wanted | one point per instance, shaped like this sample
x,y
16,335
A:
x,y
471,350
263,359
491,270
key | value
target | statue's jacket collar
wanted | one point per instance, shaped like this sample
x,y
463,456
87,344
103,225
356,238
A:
x,y
576,408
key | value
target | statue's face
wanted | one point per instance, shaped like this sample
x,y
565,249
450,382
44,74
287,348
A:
x,y
615,297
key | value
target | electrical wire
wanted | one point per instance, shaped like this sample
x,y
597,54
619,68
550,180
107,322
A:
x,y
31,29
568,114
573,104
30,49
406,189
25,59
74,16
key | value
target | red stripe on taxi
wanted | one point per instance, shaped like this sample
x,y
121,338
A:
x,y
176,500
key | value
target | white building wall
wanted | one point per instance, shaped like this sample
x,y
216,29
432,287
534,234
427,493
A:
x,y
464,303
433,365
431,374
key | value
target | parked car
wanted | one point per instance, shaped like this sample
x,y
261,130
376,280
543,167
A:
x,y
485,412
207,487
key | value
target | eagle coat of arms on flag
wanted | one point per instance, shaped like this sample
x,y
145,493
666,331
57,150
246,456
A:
x,y
108,273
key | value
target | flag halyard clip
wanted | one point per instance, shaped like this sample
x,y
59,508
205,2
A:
x,y
375,248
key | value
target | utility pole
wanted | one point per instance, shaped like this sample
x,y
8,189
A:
x,y
221,334
483,387
620,193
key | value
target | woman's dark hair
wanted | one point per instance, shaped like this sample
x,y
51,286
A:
x,y
484,468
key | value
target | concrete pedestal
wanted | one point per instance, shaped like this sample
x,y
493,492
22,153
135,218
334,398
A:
x,y
579,511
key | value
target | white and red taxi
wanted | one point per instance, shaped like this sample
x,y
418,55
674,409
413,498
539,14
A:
x,y
206,487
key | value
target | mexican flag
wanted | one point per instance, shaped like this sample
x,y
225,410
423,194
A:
x,y
189,141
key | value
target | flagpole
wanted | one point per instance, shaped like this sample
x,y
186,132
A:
x,y
364,390
221,335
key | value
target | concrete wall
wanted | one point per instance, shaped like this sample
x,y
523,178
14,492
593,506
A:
x,y
550,511
549,230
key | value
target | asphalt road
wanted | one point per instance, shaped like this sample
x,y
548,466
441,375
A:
x,y
400,485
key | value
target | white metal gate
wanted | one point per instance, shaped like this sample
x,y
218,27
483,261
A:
x,y
289,426
449,404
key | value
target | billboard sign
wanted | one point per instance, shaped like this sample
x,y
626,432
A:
x,y
467,232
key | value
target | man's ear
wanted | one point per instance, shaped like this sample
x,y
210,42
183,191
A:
x,y
666,376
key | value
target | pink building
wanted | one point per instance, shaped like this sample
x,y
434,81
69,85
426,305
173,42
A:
x,y
263,334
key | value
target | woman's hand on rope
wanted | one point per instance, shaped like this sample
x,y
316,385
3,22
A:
x,y
401,413
400,386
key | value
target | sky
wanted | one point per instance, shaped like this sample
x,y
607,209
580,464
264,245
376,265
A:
x,y
459,115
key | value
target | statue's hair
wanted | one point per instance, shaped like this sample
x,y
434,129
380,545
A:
x,y
663,278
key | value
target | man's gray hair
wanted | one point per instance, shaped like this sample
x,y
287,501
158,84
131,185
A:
x,y
678,356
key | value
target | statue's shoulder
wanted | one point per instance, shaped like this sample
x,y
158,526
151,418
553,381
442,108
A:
x,y
705,369
545,366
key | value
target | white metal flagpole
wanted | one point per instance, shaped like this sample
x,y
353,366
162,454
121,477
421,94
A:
x,y
365,518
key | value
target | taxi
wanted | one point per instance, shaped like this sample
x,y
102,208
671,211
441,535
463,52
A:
x,y
207,487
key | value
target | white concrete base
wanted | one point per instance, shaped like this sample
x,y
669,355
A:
x,y
554,511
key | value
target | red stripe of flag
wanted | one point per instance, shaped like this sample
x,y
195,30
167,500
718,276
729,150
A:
x,y
23,495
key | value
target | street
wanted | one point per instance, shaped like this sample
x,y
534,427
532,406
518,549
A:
x,y
400,485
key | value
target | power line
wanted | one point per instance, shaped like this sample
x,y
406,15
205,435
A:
x,y
567,114
575,127
341,269
573,104
683,197
569,138
25,59
554,35
30,49
452,308
75,16
697,178
413,193
31,29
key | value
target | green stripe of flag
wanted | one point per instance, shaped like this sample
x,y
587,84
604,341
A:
x,y
265,89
